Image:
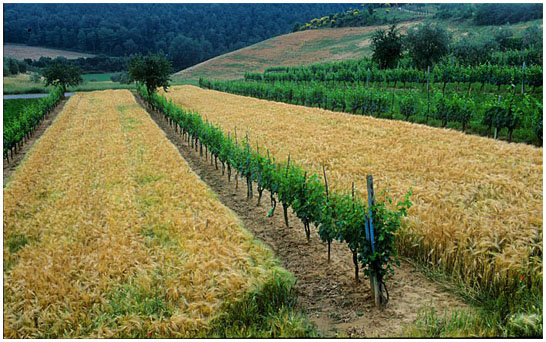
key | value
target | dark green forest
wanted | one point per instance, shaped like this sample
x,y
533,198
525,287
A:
x,y
187,33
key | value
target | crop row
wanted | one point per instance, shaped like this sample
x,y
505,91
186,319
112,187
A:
x,y
510,112
19,126
341,217
365,72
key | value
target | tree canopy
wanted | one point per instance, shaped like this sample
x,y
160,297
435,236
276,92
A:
x,y
427,44
387,47
152,71
62,74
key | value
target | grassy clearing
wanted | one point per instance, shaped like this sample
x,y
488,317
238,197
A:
x,y
117,237
98,77
21,84
478,202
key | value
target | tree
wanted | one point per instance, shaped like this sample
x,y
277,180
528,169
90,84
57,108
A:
x,y
387,47
63,74
427,44
13,66
152,71
532,36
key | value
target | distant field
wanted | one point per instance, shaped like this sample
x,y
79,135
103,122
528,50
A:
x,y
297,48
21,84
35,52
98,77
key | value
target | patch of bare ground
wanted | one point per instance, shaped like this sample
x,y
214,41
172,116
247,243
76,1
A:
x,y
19,156
327,291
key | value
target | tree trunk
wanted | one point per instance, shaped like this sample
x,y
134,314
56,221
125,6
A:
x,y
329,244
285,211
229,172
273,203
260,191
355,262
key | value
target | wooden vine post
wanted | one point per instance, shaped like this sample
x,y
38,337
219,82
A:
x,y
523,80
327,199
428,94
374,282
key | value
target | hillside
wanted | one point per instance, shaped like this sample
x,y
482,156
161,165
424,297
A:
x,y
35,52
188,33
314,46
297,48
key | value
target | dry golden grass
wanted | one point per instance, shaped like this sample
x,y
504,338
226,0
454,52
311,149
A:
x,y
122,238
478,202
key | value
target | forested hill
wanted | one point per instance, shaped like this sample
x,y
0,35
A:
x,y
188,33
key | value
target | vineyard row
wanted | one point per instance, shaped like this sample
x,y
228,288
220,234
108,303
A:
x,y
19,126
365,72
341,217
510,111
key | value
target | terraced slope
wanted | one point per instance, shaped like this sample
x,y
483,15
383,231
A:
x,y
477,201
108,232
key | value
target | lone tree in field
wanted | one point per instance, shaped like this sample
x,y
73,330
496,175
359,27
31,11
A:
x,y
152,71
63,74
387,47
427,44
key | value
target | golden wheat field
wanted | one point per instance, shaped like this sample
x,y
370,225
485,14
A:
x,y
108,232
477,202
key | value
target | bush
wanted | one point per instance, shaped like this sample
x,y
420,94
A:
x,y
35,77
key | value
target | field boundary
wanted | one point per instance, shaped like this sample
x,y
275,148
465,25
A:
x,y
10,167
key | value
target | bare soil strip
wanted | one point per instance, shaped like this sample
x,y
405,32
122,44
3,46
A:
x,y
20,155
327,292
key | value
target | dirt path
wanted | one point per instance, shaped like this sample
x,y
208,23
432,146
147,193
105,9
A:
x,y
20,155
326,291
